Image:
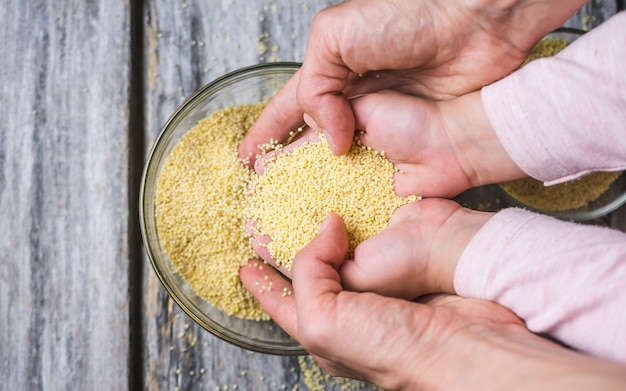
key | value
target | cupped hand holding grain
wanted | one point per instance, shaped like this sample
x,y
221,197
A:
x,y
301,183
416,253
416,140
260,240
440,148
434,49
405,345
408,146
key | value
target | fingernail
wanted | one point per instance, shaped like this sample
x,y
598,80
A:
x,y
310,122
325,224
330,141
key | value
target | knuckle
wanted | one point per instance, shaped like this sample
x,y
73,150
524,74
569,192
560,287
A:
x,y
315,335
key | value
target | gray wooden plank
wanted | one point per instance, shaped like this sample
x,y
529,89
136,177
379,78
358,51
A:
x,y
63,195
593,14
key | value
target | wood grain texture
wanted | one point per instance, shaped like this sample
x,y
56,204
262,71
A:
x,y
63,195
188,44
68,88
593,14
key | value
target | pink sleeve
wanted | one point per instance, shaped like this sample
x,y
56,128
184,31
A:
x,y
564,279
559,118
562,117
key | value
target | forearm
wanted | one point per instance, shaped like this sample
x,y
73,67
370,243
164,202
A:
x,y
538,17
477,146
562,117
523,362
555,119
563,279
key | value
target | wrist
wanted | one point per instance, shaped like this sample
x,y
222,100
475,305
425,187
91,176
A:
x,y
450,243
527,21
476,144
511,358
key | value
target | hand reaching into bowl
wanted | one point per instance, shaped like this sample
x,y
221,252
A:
x,y
437,50
428,142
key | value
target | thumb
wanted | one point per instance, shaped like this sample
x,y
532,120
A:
x,y
315,269
336,124
326,109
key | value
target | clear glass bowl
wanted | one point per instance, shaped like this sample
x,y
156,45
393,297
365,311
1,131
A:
x,y
247,85
610,200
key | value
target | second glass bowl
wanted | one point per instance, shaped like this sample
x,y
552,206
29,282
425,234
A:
x,y
612,198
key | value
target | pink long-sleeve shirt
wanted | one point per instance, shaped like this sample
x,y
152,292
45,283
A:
x,y
559,118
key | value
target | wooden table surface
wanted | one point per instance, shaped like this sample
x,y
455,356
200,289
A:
x,y
85,87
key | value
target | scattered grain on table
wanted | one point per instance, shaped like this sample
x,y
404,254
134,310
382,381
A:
x,y
316,380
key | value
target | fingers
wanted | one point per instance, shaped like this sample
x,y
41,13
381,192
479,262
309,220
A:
x,y
393,262
260,241
324,78
400,126
337,326
320,259
281,116
259,244
274,293
351,331
396,123
316,279
322,87
307,135
416,253
328,111
412,134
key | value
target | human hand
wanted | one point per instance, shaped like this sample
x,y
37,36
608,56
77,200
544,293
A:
x,y
428,142
399,344
437,50
440,148
415,254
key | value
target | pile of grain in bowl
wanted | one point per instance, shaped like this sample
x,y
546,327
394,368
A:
x,y
547,47
301,187
564,196
205,197
201,200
